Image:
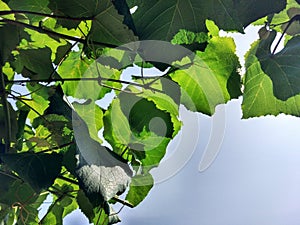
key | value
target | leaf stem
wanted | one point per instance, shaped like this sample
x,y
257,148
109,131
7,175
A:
x,y
57,147
86,79
53,33
8,12
294,18
6,111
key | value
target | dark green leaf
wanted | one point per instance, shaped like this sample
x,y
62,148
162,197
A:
x,y
74,9
283,67
39,170
258,98
85,206
62,52
9,39
163,19
31,6
123,9
37,64
109,23
58,105
21,125
13,122
69,160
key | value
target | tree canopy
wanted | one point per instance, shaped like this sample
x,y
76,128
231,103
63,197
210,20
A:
x,y
86,155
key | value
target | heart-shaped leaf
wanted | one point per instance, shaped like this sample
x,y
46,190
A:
x,y
282,67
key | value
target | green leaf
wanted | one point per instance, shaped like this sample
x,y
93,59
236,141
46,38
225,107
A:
x,y
154,150
63,203
258,98
163,19
151,112
283,67
31,6
39,170
212,78
145,116
75,67
55,128
57,104
116,126
70,160
96,214
5,7
106,20
146,147
13,122
92,115
109,23
188,37
292,8
9,39
36,63
38,103
85,206
139,188
74,9
21,125
17,193
212,28
123,9
101,173
39,40
13,189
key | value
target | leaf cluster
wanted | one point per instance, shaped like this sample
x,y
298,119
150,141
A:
x,y
85,154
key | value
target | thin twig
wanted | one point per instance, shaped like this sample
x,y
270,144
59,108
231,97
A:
x,y
53,33
62,59
57,147
146,86
67,179
33,109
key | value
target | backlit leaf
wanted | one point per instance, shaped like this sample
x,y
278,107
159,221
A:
x,y
212,78
139,188
258,98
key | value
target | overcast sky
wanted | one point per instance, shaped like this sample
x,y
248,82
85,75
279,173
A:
x,y
255,179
